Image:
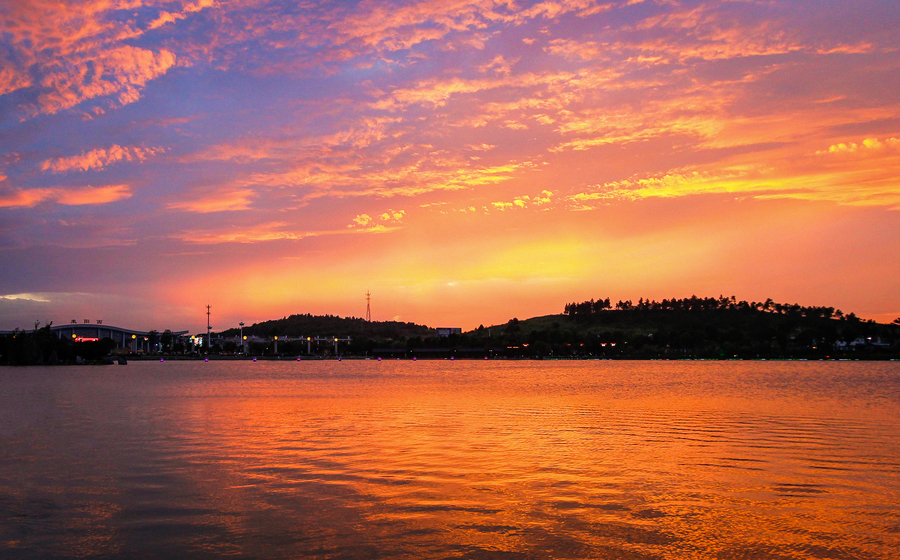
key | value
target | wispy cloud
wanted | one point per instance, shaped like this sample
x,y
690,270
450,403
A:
x,y
209,200
19,198
271,231
190,8
76,52
40,298
99,158
852,186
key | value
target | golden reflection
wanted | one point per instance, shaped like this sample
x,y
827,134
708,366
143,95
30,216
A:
x,y
485,462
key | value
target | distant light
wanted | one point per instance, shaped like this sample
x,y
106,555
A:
x,y
135,336
245,337
276,338
74,335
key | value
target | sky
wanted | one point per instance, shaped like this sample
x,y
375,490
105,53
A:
x,y
466,162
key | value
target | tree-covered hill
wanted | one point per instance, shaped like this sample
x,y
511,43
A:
x,y
695,327
333,325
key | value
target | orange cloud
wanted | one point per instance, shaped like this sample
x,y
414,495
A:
x,y
216,200
272,231
524,201
19,198
852,186
78,52
426,173
122,72
865,145
168,17
99,158
69,197
12,78
379,222
436,92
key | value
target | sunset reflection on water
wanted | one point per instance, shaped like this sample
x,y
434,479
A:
x,y
439,459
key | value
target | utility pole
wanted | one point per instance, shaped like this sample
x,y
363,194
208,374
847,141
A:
x,y
336,339
208,341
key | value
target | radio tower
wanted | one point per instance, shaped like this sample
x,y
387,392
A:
x,y
207,328
368,307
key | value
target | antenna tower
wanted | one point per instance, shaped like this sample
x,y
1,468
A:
x,y
207,328
368,307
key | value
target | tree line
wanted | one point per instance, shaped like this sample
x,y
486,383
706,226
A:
x,y
722,303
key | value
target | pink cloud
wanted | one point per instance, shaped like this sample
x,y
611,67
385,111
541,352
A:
x,y
19,198
79,52
27,198
122,72
92,195
216,200
169,17
99,158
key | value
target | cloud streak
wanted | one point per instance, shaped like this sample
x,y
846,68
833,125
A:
x,y
28,198
99,158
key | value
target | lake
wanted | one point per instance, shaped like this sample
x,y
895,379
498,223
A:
x,y
451,459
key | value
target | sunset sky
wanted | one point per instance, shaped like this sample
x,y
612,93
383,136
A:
x,y
465,161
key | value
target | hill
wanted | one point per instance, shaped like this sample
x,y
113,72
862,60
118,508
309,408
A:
x,y
699,328
333,325
709,328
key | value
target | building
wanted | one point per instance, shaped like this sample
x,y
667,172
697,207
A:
x,y
136,341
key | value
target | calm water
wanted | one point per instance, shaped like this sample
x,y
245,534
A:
x,y
444,459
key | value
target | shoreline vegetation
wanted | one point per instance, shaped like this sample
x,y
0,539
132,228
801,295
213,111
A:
x,y
693,328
